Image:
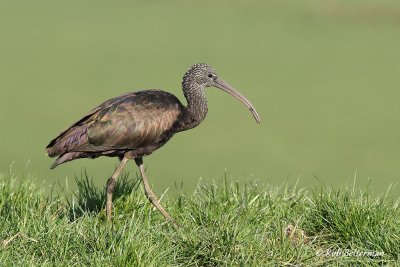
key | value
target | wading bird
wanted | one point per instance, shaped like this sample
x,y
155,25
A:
x,y
135,124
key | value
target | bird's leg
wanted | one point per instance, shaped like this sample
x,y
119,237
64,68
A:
x,y
111,185
150,194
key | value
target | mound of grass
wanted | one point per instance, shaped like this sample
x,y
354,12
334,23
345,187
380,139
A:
x,y
222,225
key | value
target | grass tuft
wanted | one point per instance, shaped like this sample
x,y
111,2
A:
x,y
223,224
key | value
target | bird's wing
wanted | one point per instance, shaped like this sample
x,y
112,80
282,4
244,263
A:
x,y
103,105
128,122
76,133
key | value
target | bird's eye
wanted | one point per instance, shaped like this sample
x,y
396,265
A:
x,y
210,75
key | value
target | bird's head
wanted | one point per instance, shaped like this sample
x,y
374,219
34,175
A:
x,y
202,76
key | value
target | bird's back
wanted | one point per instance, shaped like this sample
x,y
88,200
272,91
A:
x,y
138,121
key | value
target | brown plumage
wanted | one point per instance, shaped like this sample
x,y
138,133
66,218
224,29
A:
x,y
135,124
139,122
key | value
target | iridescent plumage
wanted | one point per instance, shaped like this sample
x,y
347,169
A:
x,y
139,122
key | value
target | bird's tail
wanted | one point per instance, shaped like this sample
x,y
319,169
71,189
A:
x,y
67,141
65,158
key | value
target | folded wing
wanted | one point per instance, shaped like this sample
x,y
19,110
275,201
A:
x,y
129,122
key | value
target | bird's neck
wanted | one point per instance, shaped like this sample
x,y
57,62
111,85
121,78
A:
x,y
197,108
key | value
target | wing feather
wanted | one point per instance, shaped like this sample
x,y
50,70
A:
x,y
128,122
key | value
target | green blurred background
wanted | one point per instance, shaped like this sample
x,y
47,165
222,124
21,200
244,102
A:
x,y
324,76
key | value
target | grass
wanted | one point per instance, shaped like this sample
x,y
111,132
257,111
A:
x,y
223,224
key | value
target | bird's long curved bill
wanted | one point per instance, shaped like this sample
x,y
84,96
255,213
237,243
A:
x,y
221,84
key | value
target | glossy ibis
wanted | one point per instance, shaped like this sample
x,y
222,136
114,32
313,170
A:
x,y
135,124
